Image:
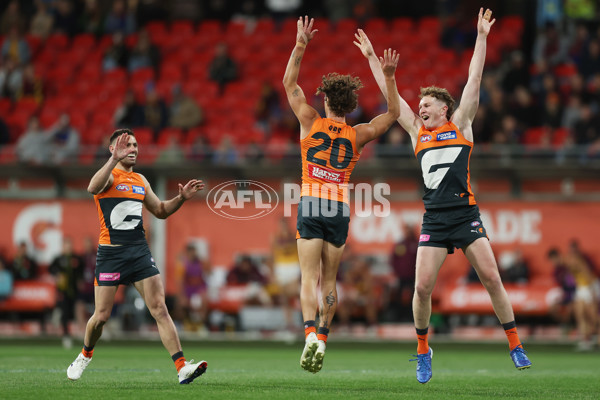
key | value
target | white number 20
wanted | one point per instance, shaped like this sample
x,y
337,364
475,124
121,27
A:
x,y
435,157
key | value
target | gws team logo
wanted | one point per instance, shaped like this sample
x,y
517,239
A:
x,y
122,187
242,199
425,138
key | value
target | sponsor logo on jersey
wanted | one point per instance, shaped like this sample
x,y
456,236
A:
x,y
326,174
122,187
424,238
475,223
110,276
446,135
425,138
138,189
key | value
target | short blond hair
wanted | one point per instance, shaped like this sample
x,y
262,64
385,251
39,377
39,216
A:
x,y
440,94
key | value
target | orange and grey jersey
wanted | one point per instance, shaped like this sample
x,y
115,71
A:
x,y
329,154
120,209
444,155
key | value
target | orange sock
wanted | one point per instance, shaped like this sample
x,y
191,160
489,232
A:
x,y
308,330
87,353
322,334
422,341
513,338
179,360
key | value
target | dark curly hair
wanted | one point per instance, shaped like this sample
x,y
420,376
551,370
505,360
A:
x,y
340,91
119,132
440,94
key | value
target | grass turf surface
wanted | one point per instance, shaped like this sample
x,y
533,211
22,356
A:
x,y
259,370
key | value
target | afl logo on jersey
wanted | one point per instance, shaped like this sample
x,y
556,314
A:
x,y
425,138
122,187
475,223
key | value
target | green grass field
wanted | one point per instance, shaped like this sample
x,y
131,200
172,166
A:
x,y
130,370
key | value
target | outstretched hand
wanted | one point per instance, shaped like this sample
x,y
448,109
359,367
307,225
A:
x,y
483,22
364,44
305,30
190,189
120,149
389,62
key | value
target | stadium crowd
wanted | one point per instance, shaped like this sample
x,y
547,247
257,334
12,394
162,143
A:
x,y
71,71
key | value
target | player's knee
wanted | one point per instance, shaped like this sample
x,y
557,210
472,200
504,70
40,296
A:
x,y
100,317
159,311
423,290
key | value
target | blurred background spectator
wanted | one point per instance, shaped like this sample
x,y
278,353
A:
x,y
222,69
23,266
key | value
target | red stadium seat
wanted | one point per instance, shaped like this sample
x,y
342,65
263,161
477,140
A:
x,y
375,26
26,105
144,136
57,41
401,25
168,134
85,41
5,106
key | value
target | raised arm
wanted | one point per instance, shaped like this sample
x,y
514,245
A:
x,y
162,209
305,113
469,101
103,178
407,118
380,124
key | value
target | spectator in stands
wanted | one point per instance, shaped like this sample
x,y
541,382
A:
x,y
200,149
517,73
246,272
552,111
222,69
144,54
6,281
84,305
42,21
195,289
102,151
394,144
185,111
550,45
254,153
11,78
12,18
121,18
285,268
117,54
586,297
587,128
67,269
32,86
513,267
562,310
23,266
226,153
16,48
590,61
64,141
171,153
523,108
65,19
33,147
92,18
403,261
155,111
130,113
268,110
358,298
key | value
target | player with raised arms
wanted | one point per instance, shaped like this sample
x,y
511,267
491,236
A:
x,y
442,142
123,254
330,149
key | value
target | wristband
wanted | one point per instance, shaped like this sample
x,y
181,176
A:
x,y
301,44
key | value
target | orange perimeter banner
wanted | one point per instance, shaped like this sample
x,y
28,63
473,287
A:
x,y
531,227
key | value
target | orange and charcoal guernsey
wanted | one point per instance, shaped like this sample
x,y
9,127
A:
x,y
329,154
444,156
120,209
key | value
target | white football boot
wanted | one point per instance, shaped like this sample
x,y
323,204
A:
x,y
191,371
310,347
318,359
76,368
